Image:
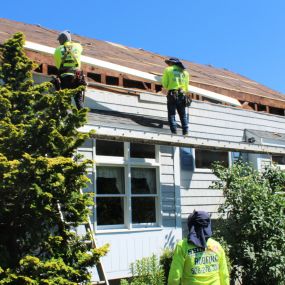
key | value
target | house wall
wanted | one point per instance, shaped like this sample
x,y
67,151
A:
x,y
126,246
183,188
207,120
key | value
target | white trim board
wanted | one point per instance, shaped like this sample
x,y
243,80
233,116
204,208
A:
x,y
115,133
144,75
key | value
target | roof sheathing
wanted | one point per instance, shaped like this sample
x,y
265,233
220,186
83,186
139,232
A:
x,y
222,81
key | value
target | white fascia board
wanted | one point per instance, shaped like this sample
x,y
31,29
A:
x,y
116,133
135,72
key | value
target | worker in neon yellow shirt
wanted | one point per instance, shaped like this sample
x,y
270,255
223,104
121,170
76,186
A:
x,y
67,59
199,259
175,80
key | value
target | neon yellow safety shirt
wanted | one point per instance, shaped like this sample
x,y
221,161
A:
x,y
174,77
192,265
73,55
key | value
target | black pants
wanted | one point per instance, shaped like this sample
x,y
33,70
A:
x,y
70,82
177,102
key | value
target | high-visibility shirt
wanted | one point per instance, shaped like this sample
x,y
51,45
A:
x,y
68,56
174,77
192,265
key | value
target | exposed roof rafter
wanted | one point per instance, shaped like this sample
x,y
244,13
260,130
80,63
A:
x,y
140,74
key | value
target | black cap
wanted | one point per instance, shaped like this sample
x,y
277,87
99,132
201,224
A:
x,y
175,61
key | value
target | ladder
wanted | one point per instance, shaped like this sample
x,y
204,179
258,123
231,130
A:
x,y
100,269
89,230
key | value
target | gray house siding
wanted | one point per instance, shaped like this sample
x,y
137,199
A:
x,y
183,188
126,246
206,120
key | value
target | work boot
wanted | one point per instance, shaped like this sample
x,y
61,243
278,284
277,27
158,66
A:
x,y
185,133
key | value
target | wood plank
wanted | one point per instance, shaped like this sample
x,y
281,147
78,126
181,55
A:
x,y
194,192
195,201
189,209
167,178
165,169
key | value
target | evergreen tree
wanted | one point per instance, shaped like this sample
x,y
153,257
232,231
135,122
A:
x,y
38,175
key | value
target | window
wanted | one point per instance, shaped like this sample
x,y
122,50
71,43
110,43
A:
x,y
143,193
236,156
126,185
278,159
110,195
205,158
109,148
140,150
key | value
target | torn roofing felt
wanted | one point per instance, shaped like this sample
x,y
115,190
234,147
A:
x,y
201,75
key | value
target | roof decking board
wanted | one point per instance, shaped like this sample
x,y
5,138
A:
x,y
140,59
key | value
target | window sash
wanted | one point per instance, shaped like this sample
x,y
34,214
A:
x,y
127,163
209,168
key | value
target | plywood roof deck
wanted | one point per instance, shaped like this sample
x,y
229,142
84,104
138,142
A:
x,y
251,94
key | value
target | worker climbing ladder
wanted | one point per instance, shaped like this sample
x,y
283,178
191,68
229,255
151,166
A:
x,y
92,241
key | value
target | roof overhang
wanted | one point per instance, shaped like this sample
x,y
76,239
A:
x,y
140,74
148,137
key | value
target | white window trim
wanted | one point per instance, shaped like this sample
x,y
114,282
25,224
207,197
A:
x,y
281,166
207,170
127,163
124,230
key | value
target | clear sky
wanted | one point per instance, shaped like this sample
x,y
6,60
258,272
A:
x,y
244,36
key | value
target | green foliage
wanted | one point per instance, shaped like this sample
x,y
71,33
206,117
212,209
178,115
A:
x,y
165,261
255,224
146,271
38,172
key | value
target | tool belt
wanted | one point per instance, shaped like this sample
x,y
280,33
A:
x,y
56,83
77,78
173,95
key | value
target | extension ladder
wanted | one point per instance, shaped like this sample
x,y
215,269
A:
x,y
90,232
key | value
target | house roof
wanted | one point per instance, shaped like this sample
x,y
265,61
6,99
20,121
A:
x,y
214,79
128,121
112,125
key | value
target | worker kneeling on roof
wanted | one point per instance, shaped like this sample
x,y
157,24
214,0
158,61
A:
x,y
175,80
67,60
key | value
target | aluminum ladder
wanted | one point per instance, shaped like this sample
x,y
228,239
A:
x,y
89,230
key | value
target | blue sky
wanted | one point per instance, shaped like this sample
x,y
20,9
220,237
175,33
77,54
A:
x,y
244,36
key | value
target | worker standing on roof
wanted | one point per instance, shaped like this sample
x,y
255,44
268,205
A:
x,y
175,80
199,259
67,60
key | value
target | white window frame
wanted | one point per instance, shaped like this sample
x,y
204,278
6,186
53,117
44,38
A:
x,y
208,170
281,166
127,163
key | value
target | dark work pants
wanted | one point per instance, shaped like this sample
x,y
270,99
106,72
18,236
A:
x,y
68,82
177,102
